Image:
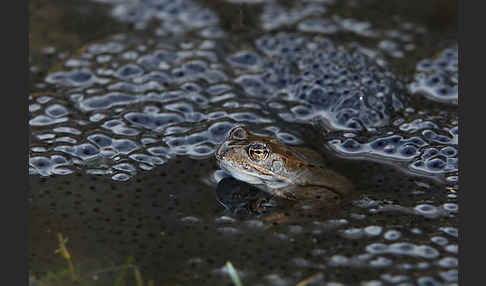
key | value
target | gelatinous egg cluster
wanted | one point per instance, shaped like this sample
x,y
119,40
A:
x,y
339,87
320,17
146,101
175,16
437,78
150,100
301,78
422,145
276,16
142,103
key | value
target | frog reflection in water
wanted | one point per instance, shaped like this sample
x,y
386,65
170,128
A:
x,y
288,172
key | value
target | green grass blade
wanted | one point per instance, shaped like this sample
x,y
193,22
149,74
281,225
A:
x,y
233,274
121,276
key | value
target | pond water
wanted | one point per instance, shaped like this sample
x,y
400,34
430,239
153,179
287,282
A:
x,y
124,126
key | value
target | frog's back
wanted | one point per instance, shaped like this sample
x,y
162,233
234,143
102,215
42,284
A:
x,y
307,155
314,173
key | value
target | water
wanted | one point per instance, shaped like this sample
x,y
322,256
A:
x,y
124,129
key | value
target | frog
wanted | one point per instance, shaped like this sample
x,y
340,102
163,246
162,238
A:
x,y
288,172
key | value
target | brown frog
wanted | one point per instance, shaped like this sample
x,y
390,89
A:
x,y
289,172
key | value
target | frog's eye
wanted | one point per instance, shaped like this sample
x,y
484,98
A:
x,y
238,133
258,152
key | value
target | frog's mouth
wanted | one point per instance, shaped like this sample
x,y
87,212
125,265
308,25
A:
x,y
251,176
240,173
220,152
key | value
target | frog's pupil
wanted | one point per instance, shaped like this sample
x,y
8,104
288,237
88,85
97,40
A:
x,y
257,152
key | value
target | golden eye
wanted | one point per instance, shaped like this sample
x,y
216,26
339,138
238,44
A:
x,y
258,152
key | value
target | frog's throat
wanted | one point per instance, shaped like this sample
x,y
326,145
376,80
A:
x,y
266,172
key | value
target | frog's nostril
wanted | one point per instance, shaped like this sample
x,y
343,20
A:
x,y
221,151
219,155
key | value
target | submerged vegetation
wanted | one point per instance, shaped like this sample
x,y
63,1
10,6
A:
x,y
71,275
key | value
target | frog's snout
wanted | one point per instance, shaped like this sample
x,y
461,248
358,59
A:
x,y
221,151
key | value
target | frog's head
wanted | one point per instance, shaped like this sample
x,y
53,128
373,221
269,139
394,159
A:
x,y
253,159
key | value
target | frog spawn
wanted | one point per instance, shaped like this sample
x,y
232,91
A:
x,y
437,78
175,16
386,45
125,133
316,92
422,148
339,87
142,90
137,101
188,83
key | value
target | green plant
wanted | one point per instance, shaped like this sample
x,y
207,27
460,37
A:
x,y
233,274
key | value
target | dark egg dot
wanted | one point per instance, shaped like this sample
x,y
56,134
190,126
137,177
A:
x,y
436,164
418,164
245,58
194,67
442,139
129,71
449,151
378,144
219,130
395,139
433,81
408,150
100,140
430,153
56,110
417,141
353,125
443,91
351,145
80,76
301,111
39,162
454,131
86,150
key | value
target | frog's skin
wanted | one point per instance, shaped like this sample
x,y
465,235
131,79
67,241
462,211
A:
x,y
285,171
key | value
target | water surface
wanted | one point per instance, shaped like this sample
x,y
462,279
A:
x,y
124,123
